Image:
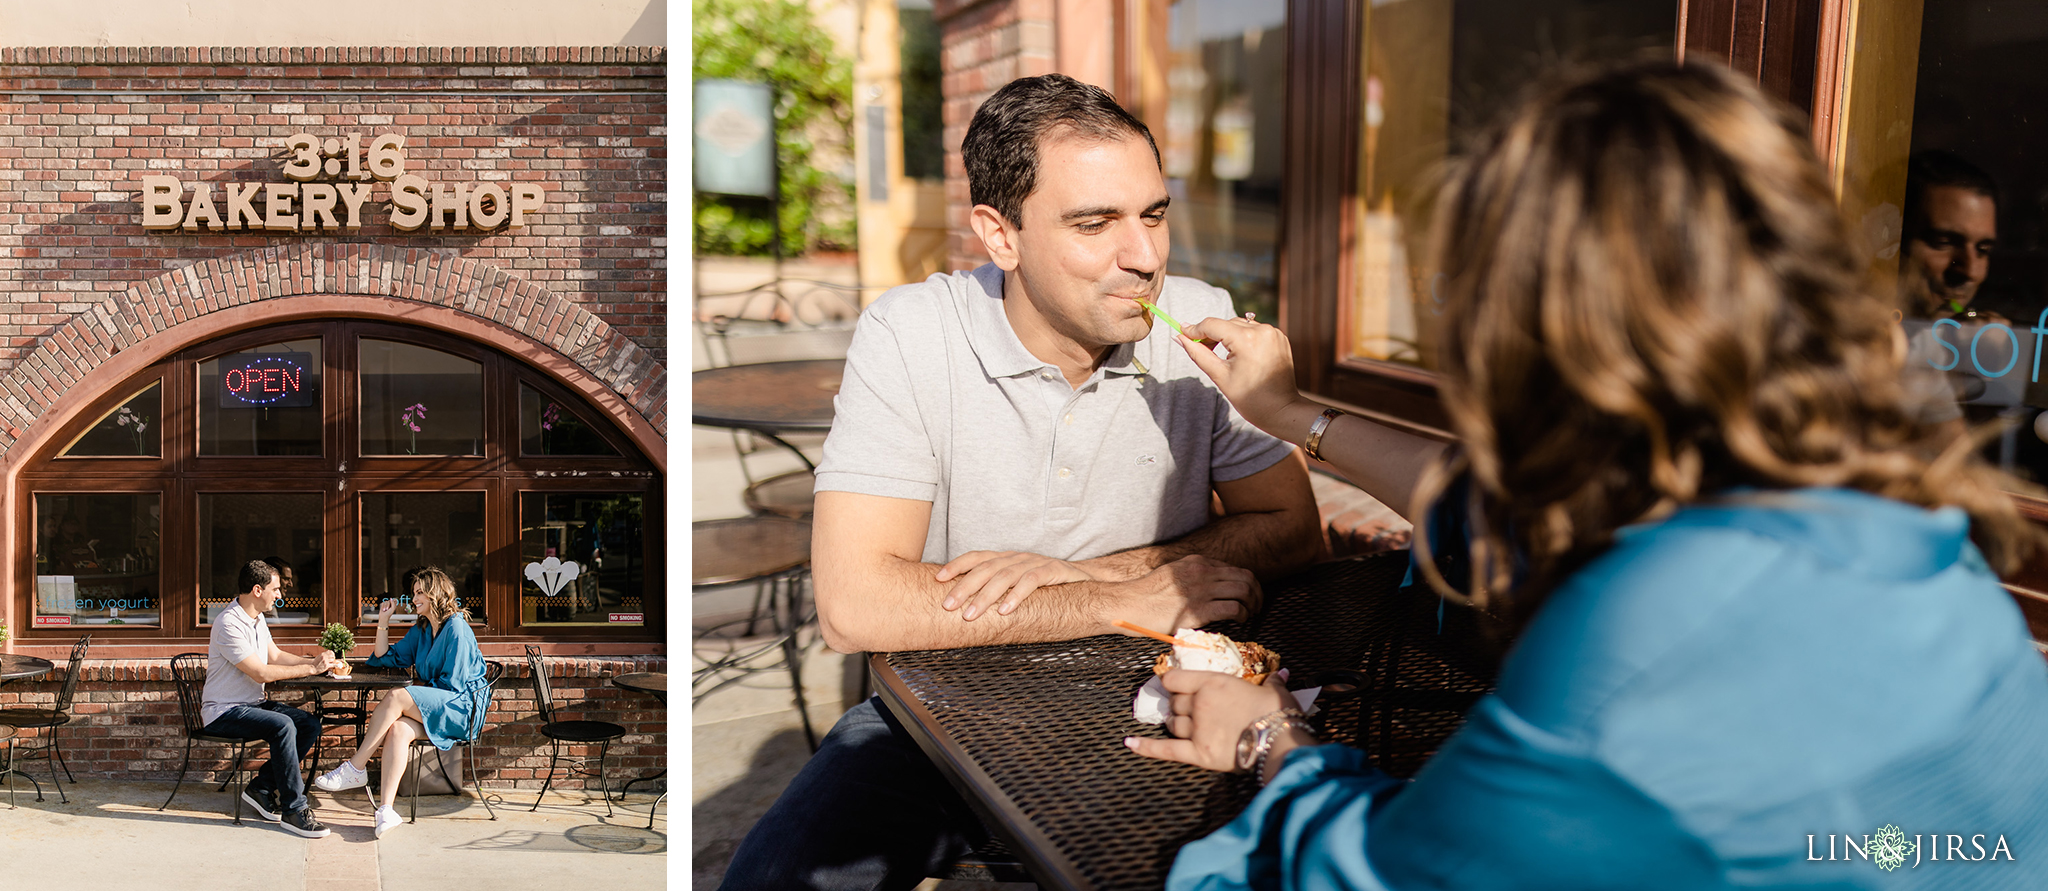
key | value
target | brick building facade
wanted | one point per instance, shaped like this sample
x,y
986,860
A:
x,y
563,297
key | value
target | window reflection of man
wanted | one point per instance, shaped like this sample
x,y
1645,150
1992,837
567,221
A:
x,y
287,583
1951,227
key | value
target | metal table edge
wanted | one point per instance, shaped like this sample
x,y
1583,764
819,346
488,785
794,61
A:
x,y
1041,857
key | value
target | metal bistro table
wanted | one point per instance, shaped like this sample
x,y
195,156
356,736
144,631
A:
x,y
1032,734
654,683
13,667
768,398
361,681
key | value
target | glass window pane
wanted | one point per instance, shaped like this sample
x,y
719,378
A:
x,y
1940,174
403,530
262,401
419,401
134,429
237,527
1435,70
1221,146
96,559
580,558
548,427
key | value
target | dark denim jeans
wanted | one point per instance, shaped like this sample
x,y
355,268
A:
x,y
868,811
287,730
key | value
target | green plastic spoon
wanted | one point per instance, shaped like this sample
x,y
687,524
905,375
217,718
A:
x,y
1169,320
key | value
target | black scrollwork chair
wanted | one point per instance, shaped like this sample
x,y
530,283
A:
x,y
480,701
188,672
559,732
49,719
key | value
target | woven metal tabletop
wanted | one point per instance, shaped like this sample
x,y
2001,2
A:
x,y
1032,734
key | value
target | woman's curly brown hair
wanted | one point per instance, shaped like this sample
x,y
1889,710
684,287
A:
x,y
1652,298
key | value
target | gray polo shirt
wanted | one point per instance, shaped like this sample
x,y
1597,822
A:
x,y
942,403
236,636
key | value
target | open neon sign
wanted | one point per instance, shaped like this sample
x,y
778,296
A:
x,y
268,380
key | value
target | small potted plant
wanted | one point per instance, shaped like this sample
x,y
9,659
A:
x,y
338,639
3,636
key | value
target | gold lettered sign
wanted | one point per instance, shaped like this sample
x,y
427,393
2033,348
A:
x,y
326,185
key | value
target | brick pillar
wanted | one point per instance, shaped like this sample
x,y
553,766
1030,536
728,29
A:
x,y
983,44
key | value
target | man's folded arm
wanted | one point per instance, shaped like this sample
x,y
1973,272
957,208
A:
x,y
874,593
1270,526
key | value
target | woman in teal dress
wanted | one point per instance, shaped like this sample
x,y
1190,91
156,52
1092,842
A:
x,y
1760,641
450,688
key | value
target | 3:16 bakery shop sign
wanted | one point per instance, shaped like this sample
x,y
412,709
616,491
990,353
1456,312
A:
x,y
327,183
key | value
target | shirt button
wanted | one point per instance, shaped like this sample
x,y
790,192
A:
x,y
1065,472
1047,374
1070,419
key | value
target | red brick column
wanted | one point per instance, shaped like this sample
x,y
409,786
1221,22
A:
x,y
983,44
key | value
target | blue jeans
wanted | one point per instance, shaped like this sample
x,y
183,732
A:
x,y
285,729
868,811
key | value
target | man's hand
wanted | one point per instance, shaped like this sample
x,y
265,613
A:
x,y
1189,593
1210,710
1002,579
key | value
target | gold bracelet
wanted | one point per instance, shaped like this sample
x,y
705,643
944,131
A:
x,y
1313,446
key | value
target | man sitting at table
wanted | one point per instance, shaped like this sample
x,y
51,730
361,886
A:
x,y
1019,454
240,659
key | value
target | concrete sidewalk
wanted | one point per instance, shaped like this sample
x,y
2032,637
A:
x,y
112,836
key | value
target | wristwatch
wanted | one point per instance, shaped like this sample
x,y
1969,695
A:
x,y
1257,739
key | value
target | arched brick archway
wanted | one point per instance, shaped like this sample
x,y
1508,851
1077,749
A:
x,y
166,313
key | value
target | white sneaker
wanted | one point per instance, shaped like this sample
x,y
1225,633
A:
x,y
345,776
387,820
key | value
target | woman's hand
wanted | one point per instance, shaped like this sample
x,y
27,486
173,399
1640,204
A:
x,y
1210,710
385,609
1258,376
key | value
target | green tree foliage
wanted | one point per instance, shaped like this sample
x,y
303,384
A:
x,y
779,42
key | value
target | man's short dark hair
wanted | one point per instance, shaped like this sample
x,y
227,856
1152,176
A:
x,y
1001,148
1929,168
254,574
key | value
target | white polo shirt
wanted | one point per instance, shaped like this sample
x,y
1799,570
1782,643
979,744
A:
x,y
942,403
236,636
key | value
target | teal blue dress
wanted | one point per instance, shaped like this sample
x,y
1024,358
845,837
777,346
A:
x,y
1728,698
450,676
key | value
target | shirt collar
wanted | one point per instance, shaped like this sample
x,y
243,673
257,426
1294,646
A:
x,y
1002,354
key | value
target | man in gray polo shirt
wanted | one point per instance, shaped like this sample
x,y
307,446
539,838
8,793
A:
x,y
1018,454
240,659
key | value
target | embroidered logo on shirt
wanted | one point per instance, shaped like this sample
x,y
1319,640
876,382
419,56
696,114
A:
x,y
1147,460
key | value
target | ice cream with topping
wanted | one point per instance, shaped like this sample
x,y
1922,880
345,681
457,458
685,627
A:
x,y
1205,651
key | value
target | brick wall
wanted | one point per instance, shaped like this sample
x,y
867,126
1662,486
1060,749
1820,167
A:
x,y
125,722
80,126
983,44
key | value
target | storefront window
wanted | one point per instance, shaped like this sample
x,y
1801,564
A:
x,y
1435,70
403,530
96,559
237,527
1938,174
1221,145
548,427
420,401
580,554
344,515
264,400
133,430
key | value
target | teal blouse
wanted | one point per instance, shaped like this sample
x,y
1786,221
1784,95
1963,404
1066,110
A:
x,y
450,672
1724,699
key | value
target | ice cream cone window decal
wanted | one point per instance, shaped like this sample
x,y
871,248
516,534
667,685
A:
x,y
552,575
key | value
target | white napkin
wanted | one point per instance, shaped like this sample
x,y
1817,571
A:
x,y
1152,704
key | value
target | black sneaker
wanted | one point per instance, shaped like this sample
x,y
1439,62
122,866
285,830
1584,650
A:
x,y
265,803
302,822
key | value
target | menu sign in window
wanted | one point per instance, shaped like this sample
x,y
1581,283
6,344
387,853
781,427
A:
x,y
268,380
